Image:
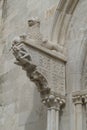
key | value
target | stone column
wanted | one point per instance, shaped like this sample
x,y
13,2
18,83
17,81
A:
x,y
85,101
48,119
78,112
53,104
57,119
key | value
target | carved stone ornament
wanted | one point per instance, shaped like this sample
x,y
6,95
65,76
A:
x,y
23,59
44,67
53,101
80,97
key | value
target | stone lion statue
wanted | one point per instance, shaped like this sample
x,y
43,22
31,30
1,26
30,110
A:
x,y
34,35
52,46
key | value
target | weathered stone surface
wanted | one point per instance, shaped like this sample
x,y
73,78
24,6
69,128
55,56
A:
x,y
55,73
20,105
15,88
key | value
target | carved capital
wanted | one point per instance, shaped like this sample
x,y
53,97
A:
x,y
85,98
77,99
80,97
53,101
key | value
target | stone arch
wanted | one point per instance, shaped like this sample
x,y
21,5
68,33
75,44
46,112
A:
x,y
62,18
76,43
84,74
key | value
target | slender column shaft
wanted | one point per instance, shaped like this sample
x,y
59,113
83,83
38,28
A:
x,y
57,119
53,119
86,115
78,114
85,101
80,100
48,119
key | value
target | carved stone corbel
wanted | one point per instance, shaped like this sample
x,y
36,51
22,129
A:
x,y
23,59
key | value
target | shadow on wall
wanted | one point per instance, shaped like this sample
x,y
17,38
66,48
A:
x,y
37,118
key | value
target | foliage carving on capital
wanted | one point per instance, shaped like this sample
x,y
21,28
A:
x,y
80,97
53,101
77,99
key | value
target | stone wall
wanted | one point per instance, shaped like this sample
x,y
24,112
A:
x,y
20,106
